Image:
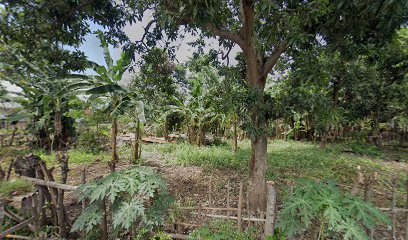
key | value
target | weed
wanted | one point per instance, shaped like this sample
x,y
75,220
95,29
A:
x,y
222,230
287,160
76,157
16,185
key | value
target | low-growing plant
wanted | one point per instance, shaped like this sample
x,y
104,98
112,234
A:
x,y
15,185
221,230
92,141
137,197
325,211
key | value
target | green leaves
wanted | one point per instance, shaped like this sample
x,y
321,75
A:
x,y
138,197
324,204
90,218
124,215
107,88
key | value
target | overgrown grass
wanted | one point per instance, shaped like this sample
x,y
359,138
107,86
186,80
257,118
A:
x,y
15,185
76,157
286,159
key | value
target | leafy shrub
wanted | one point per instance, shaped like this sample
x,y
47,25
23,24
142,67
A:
x,y
324,210
137,196
93,142
221,230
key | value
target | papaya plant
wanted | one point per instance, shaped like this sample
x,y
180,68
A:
x,y
137,197
327,212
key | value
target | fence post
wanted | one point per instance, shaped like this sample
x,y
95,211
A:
x,y
270,209
393,206
368,191
83,181
241,189
406,214
228,198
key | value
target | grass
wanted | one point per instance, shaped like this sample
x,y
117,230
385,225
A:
x,y
76,157
15,185
286,159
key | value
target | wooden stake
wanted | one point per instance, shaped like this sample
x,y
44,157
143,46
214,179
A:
x,y
228,197
368,191
104,223
83,181
210,193
9,167
247,209
34,209
358,181
406,215
393,206
270,209
241,189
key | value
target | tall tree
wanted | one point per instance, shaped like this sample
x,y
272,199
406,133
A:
x,y
264,30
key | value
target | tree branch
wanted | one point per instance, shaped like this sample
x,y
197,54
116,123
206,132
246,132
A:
x,y
229,35
273,58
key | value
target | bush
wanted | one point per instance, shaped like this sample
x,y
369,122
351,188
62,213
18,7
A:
x,y
92,142
324,210
137,197
225,230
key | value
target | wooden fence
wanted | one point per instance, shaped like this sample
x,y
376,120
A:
x,y
364,186
48,197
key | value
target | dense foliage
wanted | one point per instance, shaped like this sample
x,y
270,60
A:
x,y
137,198
327,212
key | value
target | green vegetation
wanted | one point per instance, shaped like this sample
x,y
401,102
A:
x,y
14,186
137,198
286,159
222,230
307,95
327,212
76,157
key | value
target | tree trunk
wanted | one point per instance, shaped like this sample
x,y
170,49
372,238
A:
x,y
166,129
13,134
257,172
323,138
258,161
201,136
114,133
104,222
377,133
235,136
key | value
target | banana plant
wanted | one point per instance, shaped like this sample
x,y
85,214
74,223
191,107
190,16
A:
x,y
45,97
106,85
196,111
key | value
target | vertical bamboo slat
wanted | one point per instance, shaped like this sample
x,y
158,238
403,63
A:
x,y
210,193
406,214
241,189
270,209
247,209
83,181
36,217
393,206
